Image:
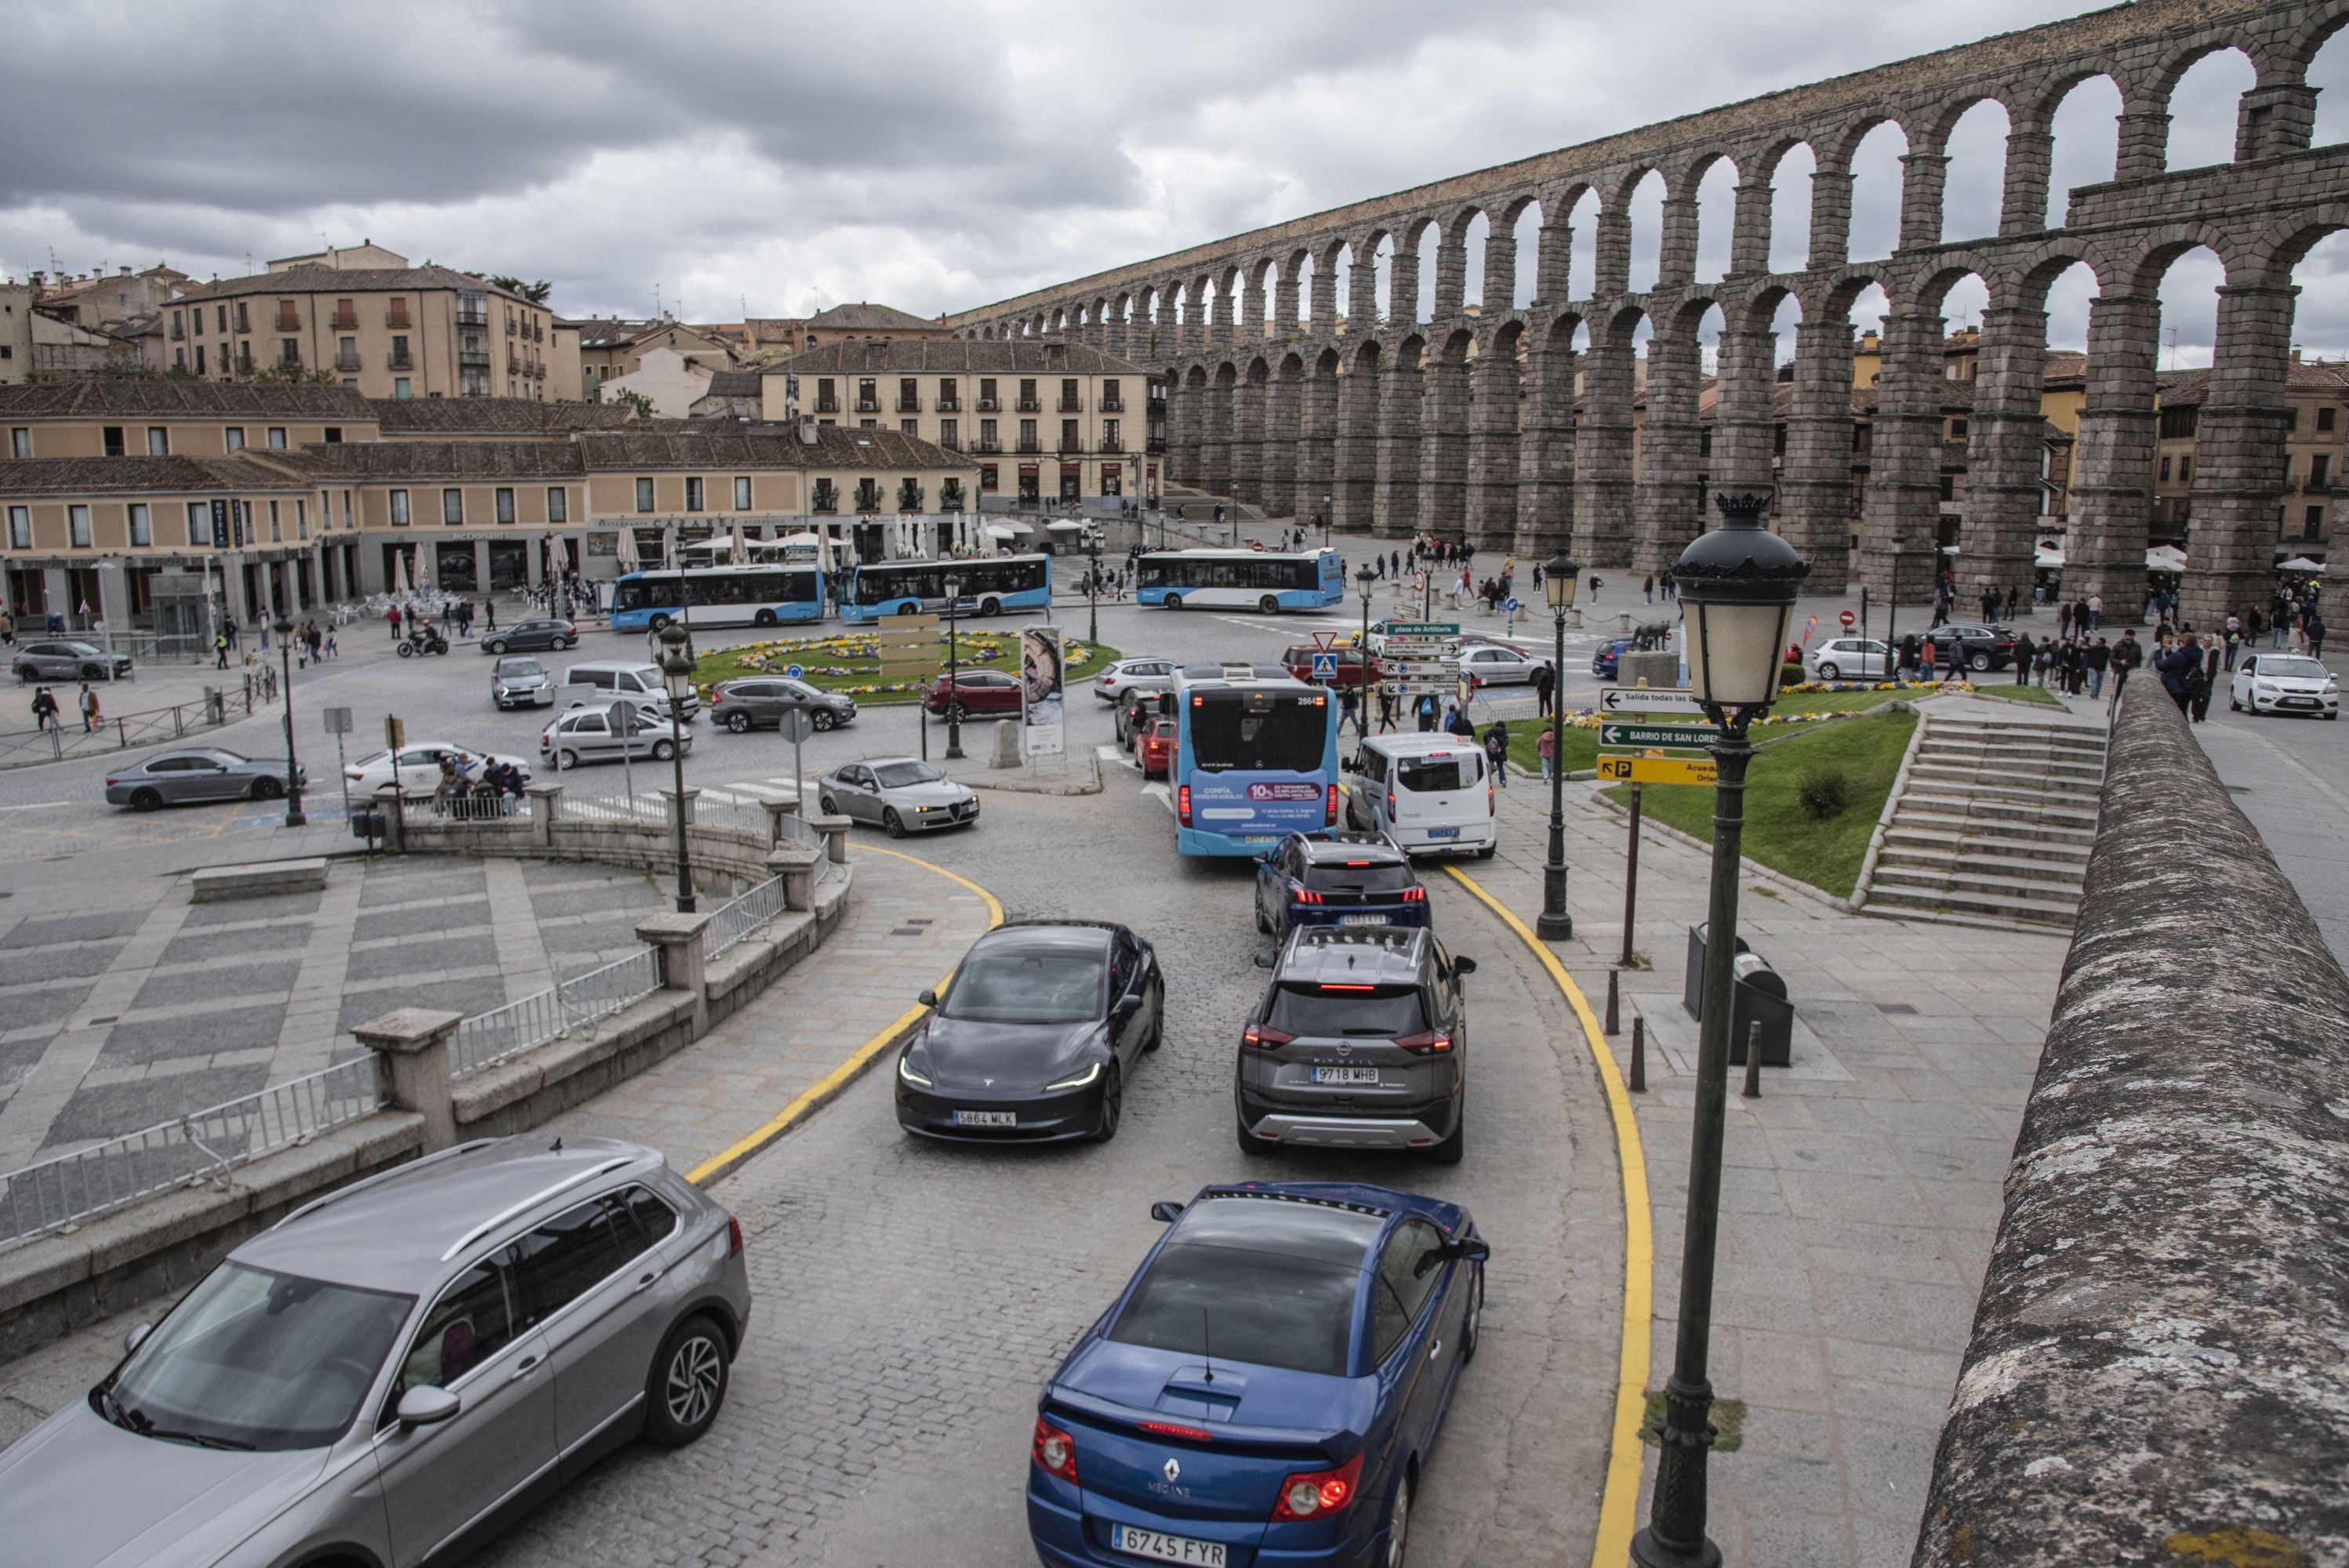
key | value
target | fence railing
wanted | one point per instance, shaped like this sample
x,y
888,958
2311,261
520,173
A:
x,y
120,732
487,1038
71,1188
739,917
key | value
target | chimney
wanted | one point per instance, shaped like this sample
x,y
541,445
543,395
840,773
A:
x,y
807,430
125,271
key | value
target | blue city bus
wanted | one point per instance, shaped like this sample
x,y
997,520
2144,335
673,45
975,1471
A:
x,y
765,595
1241,580
1255,758
990,585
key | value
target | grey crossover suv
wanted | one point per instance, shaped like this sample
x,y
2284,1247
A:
x,y
1359,1042
392,1372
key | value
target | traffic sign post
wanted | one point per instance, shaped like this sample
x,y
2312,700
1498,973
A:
x,y
1847,618
795,725
1622,733
1623,768
1325,667
1647,699
1421,659
795,672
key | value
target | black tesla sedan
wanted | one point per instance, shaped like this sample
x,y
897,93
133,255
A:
x,y
1036,1036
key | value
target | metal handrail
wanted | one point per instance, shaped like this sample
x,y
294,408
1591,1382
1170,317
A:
x,y
121,732
739,917
68,1188
582,1001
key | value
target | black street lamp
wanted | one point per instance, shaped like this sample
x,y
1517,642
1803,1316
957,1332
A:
x,y
1558,581
1737,587
1092,584
954,684
677,673
284,627
1363,578
1325,518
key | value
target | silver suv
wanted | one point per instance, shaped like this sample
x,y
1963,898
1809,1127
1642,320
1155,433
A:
x,y
394,1371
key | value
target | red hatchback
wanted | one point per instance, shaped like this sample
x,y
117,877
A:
x,y
1153,747
1299,661
975,691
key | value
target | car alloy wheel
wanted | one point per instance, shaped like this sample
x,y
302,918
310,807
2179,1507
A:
x,y
1112,1104
823,718
1977,662
687,1387
496,646
265,788
663,750
145,799
693,1376
570,758
1399,1521
893,823
1829,672
740,723
830,810
956,711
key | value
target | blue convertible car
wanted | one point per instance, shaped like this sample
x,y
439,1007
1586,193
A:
x,y
1268,1388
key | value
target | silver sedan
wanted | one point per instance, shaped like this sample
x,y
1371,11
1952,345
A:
x,y
899,794
171,778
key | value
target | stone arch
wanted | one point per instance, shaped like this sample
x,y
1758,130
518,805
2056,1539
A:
x,y
1786,241
1415,266
1293,304
1837,164
1496,420
1523,285
2075,153
1650,188
2291,57
1711,241
1979,204
2203,139
1454,264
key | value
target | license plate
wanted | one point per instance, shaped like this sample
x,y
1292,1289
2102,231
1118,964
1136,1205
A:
x,y
1363,920
1347,1075
987,1119
2299,702
1442,832
1166,1548
1258,838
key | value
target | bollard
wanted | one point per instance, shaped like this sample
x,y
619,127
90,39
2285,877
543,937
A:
x,y
1614,1016
1639,1056
1752,1090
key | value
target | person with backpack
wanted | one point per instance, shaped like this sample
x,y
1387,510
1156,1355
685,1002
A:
x,y
1496,752
45,709
88,703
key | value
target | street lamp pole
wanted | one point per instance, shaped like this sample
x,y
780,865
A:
x,y
284,627
1558,581
1092,587
677,673
1363,578
1737,586
954,672
1325,518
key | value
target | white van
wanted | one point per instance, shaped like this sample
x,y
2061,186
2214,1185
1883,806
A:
x,y
1428,792
638,682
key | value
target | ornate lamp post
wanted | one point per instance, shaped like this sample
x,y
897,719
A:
x,y
1092,584
1363,579
284,627
677,673
1737,587
1558,580
953,685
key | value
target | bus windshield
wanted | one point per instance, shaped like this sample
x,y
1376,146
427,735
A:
x,y
1283,734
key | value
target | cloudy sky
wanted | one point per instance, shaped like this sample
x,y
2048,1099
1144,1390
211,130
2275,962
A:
x,y
780,158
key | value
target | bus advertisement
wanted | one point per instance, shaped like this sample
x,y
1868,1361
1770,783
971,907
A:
x,y
1255,758
987,586
1241,580
717,596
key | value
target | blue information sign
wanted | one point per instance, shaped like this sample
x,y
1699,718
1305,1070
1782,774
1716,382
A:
x,y
794,671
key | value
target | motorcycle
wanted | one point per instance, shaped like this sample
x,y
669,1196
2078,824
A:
x,y
428,641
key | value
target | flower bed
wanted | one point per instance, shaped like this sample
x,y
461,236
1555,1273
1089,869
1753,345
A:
x,y
850,662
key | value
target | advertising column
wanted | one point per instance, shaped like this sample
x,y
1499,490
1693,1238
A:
x,y
1042,731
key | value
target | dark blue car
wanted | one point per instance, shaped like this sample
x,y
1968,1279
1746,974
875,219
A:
x,y
1268,1388
1337,879
1602,663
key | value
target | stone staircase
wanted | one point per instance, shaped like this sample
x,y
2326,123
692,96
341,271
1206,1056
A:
x,y
1994,821
1200,507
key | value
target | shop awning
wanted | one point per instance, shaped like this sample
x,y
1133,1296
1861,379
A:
x,y
2300,564
1004,531
1065,525
2164,557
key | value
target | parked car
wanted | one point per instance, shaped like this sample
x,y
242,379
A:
x,y
759,702
1268,1388
610,735
1360,1041
900,794
638,682
530,637
395,1370
518,681
55,661
176,777
1347,669
1603,661
419,766
975,691
1498,663
1347,880
1134,674
1153,747
1852,659
1035,1036
2284,683
1977,647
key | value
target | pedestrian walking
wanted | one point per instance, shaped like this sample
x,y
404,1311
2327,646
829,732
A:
x,y
1545,683
2207,680
45,709
2096,611
2312,627
1457,724
2098,658
1350,711
2011,597
1425,708
1594,587
1926,656
2064,619
1496,752
2234,638
1386,709
7,628
89,716
1908,657
2180,665
490,614
220,650
1546,747
1647,588
394,618
235,633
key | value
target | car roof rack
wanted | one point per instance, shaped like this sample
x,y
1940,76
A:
x,y
404,1169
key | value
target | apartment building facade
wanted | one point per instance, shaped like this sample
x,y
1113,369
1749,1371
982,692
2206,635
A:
x,y
1047,424
2317,415
612,347
382,331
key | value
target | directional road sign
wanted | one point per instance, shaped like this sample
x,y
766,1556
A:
x,y
1513,605
1422,629
1325,667
1621,767
1647,699
1613,734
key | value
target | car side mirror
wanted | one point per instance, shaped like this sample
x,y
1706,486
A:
x,y
1166,1212
1464,966
927,998
1263,960
1127,1006
1472,1250
136,1337
426,1407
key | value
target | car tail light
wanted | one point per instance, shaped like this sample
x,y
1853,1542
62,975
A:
x,y
1055,1451
1303,895
733,1237
1169,1429
1264,1035
1488,797
1182,806
1329,812
1317,1495
1391,806
1415,896
1432,1042
112,782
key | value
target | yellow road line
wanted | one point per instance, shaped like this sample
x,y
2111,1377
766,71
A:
x,y
827,1087
1618,1504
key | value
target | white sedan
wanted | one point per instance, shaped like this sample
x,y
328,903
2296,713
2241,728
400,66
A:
x,y
1852,659
2284,683
419,766
1498,663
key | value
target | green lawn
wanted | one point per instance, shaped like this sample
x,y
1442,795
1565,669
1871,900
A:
x,y
1580,746
850,662
1777,833
2024,693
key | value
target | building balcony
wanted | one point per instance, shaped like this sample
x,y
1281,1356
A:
x,y
1072,406
2317,484
397,361
1155,446
1031,405
347,359
347,321
990,406
827,408
909,405
1031,448
1112,406
514,327
179,331
951,443
397,320
289,323
948,405
472,316
290,358
474,358
989,449
868,406
513,366
244,366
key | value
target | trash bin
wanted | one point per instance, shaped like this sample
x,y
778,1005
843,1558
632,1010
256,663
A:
x,y
1759,995
367,825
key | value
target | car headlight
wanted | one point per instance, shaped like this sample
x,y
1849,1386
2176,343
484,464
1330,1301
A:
x,y
1080,1081
905,1070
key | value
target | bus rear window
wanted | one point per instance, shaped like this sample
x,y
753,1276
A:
x,y
1286,734
1434,775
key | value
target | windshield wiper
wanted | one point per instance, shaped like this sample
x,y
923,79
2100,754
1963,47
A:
x,y
139,1422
